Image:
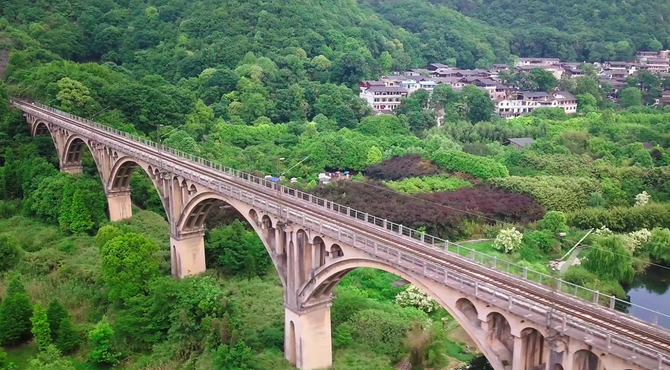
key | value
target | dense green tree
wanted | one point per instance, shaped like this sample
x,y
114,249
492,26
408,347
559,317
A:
x,y
128,265
237,251
99,340
375,155
74,97
233,357
350,68
105,234
609,259
543,79
79,216
68,337
630,97
15,314
555,222
478,103
40,328
443,95
9,252
56,312
659,245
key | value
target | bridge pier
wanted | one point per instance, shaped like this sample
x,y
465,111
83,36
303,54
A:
x,y
72,169
120,205
307,342
187,255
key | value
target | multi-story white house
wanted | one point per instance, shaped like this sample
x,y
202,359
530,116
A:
x,y
382,98
523,102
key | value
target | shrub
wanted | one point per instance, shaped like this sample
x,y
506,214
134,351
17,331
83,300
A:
x,y
415,297
622,219
556,193
642,199
9,252
481,167
637,239
438,214
50,359
508,240
398,168
382,331
67,246
99,341
555,222
428,184
539,241
233,357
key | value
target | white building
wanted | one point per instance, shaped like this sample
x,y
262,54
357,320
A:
x,y
521,103
383,98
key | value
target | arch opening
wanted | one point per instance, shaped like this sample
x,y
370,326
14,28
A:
x,y
318,253
535,350
237,240
336,251
469,311
499,338
40,128
321,287
586,360
45,144
140,186
291,344
77,157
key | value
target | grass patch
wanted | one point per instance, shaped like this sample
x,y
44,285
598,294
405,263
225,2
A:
x,y
21,355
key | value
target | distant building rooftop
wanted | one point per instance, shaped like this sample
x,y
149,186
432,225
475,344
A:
x,y
521,142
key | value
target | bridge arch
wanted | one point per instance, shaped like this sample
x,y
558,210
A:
x,y
40,128
196,210
324,281
117,185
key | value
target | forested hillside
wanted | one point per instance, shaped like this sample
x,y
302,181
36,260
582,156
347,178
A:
x,y
591,30
269,87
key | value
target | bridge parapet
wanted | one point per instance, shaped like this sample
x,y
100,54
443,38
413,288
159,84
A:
x,y
568,309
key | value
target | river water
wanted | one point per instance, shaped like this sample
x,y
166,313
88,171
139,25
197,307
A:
x,y
651,290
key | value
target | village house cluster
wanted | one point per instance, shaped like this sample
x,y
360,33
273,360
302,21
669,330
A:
x,y
385,94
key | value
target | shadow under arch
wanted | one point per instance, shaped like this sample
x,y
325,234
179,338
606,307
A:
x,y
195,214
326,279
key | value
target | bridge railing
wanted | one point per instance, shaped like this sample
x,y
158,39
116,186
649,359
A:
x,y
610,302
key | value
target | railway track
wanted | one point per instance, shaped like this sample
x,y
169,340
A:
x,y
612,321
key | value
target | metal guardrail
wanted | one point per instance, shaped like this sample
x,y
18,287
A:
x,y
610,302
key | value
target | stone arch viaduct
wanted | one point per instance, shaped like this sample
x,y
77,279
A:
x,y
516,321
